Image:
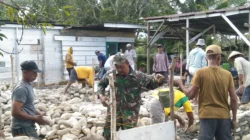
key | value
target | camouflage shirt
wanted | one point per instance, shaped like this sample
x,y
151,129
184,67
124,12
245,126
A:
x,y
128,88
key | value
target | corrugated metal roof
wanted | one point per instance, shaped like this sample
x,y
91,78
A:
x,y
199,13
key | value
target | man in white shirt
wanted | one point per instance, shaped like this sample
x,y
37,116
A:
x,y
131,56
243,68
109,63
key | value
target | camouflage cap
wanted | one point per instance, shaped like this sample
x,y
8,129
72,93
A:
x,y
119,59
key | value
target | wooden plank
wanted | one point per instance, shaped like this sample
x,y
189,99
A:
x,y
81,43
83,53
161,131
120,39
65,38
92,33
29,42
83,57
113,106
172,67
171,91
92,39
100,48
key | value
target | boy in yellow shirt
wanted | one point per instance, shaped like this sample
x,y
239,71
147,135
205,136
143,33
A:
x,y
158,109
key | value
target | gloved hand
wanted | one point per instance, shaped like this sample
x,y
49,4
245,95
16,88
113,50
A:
x,y
159,78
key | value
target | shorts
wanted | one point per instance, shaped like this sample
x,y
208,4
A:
x,y
73,76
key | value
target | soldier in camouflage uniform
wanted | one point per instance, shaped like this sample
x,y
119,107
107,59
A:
x,y
128,86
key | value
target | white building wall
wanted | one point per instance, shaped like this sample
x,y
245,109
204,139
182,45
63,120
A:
x,y
83,50
48,55
53,58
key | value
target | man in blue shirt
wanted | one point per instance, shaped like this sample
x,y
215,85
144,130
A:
x,y
102,59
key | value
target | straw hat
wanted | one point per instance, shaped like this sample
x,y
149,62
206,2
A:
x,y
234,53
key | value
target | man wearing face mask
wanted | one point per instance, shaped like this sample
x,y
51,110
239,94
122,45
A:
x,y
128,86
23,110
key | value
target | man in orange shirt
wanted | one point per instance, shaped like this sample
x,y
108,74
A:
x,y
213,84
69,60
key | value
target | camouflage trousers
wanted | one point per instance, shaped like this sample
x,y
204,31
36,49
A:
x,y
125,119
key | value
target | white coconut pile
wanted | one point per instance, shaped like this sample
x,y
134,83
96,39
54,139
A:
x,y
70,117
74,116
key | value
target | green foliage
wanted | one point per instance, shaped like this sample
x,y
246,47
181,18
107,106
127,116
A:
x,y
2,36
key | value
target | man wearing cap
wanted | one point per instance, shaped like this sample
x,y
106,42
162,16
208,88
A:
x,y
69,60
80,74
23,110
128,86
213,84
102,59
131,56
243,68
158,106
161,62
196,58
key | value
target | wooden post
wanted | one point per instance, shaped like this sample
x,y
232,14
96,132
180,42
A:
x,y
12,72
181,66
113,106
38,77
171,82
1,114
171,95
93,82
148,49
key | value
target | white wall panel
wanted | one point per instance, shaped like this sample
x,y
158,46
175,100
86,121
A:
x,y
120,39
161,131
78,43
92,39
65,38
82,48
53,57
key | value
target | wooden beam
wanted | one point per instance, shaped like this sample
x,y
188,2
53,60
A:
x,y
171,85
148,48
156,32
113,106
236,29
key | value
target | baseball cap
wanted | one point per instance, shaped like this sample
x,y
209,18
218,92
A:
x,y
213,49
30,66
119,59
159,45
97,51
